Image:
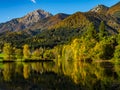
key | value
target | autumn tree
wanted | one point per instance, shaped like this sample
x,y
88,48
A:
x,y
37,54
8,51
117,52
48,54
26,51
18,53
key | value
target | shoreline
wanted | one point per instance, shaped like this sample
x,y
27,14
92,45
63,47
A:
x,y
27,60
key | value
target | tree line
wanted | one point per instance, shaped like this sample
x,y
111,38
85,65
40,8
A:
x,y
13,53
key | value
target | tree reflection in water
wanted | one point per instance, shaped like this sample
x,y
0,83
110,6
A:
x,y
60,75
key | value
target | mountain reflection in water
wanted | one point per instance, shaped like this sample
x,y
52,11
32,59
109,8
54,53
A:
x,y
60,75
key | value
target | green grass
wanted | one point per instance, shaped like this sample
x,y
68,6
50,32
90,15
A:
x,y
1,65
1,56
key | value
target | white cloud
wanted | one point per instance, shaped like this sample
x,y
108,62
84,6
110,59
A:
x,y
34,1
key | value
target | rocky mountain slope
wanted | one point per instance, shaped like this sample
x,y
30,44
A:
x,y
101,9
113,11
48,22
25,22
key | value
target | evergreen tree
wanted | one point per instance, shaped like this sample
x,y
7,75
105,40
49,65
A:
x,y
102,30
91,32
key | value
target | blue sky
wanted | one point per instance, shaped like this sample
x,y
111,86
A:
x,y
10,9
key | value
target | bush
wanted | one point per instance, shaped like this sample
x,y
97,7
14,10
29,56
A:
x,y
48,54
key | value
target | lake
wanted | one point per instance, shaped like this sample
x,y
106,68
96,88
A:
x,y
60,75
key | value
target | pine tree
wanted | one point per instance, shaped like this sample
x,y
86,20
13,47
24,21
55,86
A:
x,y
102,32
91,32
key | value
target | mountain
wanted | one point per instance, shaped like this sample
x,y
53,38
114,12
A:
x,y
82,20
34,17
101,9
20,24
48,22
114,10
99,13
41,20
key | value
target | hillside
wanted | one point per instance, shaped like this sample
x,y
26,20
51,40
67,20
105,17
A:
x,y
75,21
82,20
115,10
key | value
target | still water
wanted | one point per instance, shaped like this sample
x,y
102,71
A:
x,y
60,75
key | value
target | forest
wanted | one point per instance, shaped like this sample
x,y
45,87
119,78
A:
x,y
90,44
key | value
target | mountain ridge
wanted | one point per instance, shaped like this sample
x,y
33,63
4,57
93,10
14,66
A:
x,y
25,21
42,20
81,21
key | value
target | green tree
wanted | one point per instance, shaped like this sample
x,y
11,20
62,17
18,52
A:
x,y
8,51
91,31
19,53
26,51
102,32
117,52
104,49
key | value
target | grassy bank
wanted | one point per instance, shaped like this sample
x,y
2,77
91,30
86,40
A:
x,y
1,56
23,60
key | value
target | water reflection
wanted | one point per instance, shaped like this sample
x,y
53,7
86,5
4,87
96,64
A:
x,y
60,75
8,69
